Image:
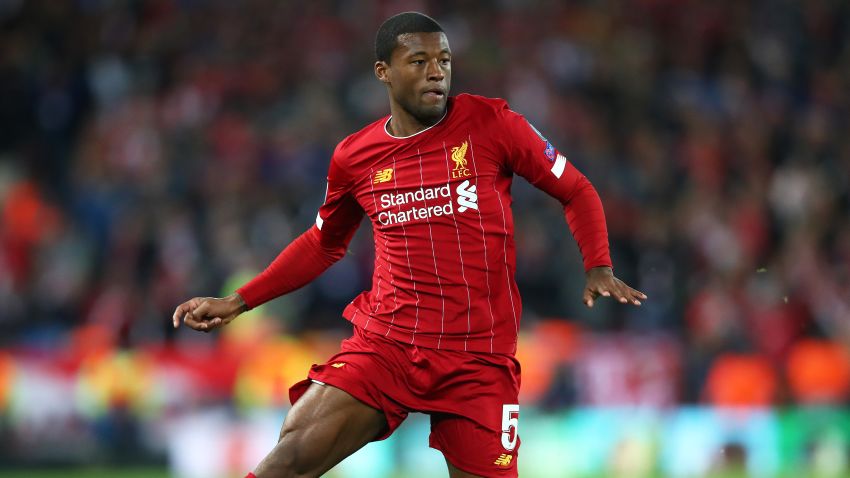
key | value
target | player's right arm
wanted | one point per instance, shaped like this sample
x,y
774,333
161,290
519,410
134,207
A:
x,y
298,264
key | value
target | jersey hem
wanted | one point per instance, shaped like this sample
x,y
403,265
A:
x,y
455,344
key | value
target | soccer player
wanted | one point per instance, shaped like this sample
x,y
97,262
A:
x,y
437,332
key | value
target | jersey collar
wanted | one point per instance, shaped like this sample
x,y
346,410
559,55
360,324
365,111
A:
x,y
387,123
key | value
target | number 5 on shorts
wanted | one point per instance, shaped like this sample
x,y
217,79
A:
x,y
510,424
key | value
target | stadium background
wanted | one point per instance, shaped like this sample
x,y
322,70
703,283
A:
x,y
151,151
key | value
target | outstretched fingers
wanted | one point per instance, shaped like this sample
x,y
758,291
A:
x,y
627,295
614,288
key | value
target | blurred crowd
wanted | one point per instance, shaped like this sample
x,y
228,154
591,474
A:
x,y
151,151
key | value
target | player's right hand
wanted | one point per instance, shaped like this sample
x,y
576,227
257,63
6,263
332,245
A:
x,y
208,313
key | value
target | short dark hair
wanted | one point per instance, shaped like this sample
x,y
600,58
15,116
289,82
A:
x,y
408,22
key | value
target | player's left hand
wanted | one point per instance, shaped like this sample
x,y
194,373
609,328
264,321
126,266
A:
x,y
601,281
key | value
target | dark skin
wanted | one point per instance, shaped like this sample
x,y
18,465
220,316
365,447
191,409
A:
x,y
327,424
418,78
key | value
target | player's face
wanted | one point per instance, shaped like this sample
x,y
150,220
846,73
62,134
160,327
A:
x,y
419,75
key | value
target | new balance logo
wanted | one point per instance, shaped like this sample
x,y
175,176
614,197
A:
x,y
383,175
504,460
467,197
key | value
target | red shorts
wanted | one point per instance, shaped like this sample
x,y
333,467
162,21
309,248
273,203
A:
x,y
472,398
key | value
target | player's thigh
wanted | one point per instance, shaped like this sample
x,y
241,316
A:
x,y
475,449
326,425
455,472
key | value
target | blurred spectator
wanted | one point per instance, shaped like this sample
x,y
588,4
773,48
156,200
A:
x,y
27,219
738,380
819,372
6,371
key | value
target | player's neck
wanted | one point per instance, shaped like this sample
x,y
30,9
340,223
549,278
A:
x,y
402,124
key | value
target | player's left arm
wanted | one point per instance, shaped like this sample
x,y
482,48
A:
x,y
531,156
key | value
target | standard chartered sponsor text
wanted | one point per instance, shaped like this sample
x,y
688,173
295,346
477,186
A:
x,y
388,218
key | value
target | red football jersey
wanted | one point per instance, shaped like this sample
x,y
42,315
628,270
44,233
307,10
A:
x,y
439,202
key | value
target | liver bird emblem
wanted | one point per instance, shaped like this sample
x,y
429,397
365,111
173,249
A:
x,y
459,156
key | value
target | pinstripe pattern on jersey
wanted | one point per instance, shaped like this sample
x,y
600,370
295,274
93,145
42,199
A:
x,y
434,252
504,244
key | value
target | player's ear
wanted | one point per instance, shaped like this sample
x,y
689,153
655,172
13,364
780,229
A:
x,y
382,71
